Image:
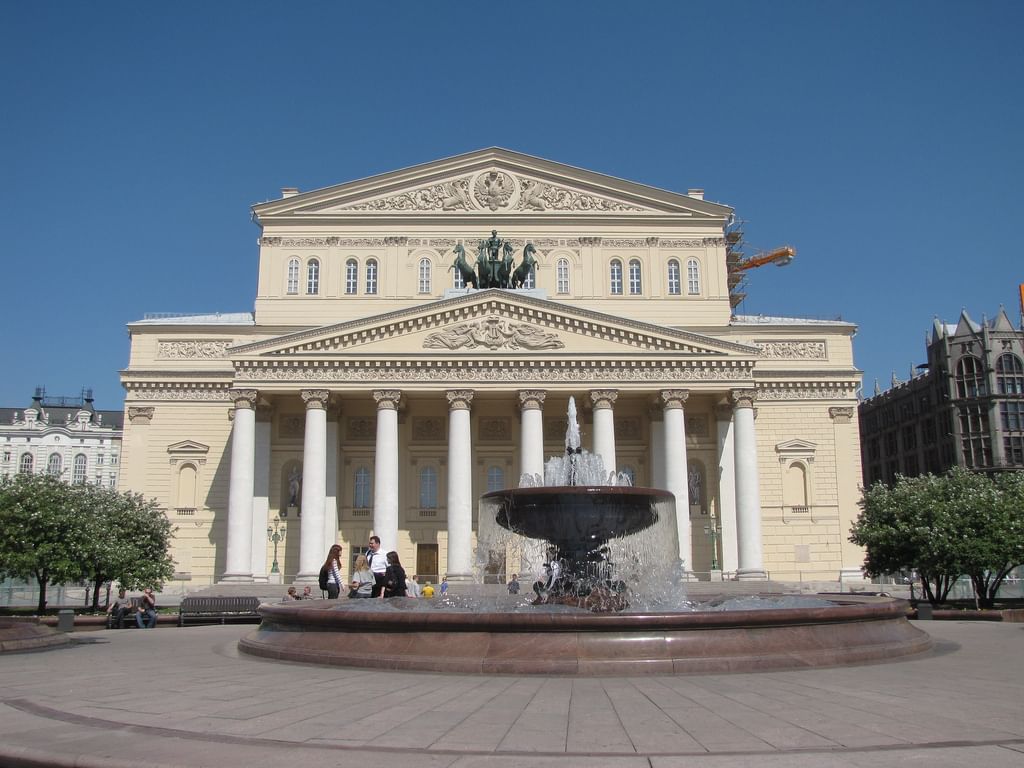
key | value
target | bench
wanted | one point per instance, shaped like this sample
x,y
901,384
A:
x,y
221,609
127,619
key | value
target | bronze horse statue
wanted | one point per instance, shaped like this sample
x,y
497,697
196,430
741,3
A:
x,y
465,270
522,272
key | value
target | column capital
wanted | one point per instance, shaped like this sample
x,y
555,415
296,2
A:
x,y
459,399
315,399
674,398
387,399
532,399
603,398
243,398
140,414
841,415
742,398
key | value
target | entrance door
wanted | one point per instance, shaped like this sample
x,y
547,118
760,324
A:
x,y
426,563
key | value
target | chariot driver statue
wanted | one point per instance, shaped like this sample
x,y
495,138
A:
x,y
489,258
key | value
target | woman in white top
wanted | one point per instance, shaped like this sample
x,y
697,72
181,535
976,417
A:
x,y
362,579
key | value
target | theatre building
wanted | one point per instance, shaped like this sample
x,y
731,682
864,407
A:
x,y
389,376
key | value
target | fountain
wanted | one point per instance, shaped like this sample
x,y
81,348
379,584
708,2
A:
x,y
615,607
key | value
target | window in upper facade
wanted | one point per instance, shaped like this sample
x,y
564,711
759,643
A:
x,y
351,277
428,488
693,277
112,481
1010,375
1013,448
292,287
313,277
615,279
1012,414
970,378
424,275
635,284
530,281
55,464
562,276
78,470
362,489
674,284
495,478
371,277
26,463
457,281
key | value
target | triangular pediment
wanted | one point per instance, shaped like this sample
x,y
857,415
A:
x,y
490,182
188,447
493,323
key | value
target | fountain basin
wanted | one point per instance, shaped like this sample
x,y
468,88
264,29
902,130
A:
x,y
851,630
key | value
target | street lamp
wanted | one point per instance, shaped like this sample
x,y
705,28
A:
x,y
276,535
713,530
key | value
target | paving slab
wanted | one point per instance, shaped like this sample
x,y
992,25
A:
x,y
186,697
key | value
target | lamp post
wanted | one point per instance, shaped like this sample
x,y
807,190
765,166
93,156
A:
x,y
713,530
276,535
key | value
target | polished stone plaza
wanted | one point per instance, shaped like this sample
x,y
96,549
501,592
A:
x,y
173,697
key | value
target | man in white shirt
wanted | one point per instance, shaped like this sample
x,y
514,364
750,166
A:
x,y
378,564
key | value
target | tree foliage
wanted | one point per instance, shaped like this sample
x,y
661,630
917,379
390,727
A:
x,y
944,527
58,533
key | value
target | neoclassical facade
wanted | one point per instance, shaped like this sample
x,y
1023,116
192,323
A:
x,y
372,392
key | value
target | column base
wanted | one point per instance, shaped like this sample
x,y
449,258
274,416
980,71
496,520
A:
x,y
461,578
274,578
307,578
751,574
236,578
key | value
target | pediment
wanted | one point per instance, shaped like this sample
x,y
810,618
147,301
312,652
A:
x,y
188,447
488,182
796,448
492,323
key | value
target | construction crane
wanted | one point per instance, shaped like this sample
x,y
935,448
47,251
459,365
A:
x,y
739,264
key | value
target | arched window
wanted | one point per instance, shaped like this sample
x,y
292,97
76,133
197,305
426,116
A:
x,y
26,464
457,281
970,377
428,488
424,275
292,288
1009,375
371,277
313,277
635,284
187,484
78,470
55,464
495,478
351,277
362,489
615,278
530,282
794,486
674,281
562,276
693,277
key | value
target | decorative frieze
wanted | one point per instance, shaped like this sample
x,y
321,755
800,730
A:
x,y
628,429
494,430
792,350
541,196
191,349
805,393
219,395
703,242
428,430
697,426
323,242
592,242
361,429
396,240
493,333
624,242
291,425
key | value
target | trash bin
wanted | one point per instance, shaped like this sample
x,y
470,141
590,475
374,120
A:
x,y
924,611
66,620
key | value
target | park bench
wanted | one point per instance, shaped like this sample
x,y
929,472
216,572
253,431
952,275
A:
x,y
127,619
220,609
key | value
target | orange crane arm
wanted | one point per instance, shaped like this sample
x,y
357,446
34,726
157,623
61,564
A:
x,y
779,256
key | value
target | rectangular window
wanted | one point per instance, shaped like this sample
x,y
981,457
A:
x,y
1013,446
1012,416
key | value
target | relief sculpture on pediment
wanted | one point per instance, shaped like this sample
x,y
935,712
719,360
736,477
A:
x,y
493,333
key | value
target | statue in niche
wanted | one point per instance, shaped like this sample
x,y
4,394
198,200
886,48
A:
x,y
294,487
693,482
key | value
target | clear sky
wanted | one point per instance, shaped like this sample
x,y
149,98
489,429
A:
x,y
882,139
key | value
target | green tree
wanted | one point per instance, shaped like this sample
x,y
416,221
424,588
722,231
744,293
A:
x,y
128,540
39,534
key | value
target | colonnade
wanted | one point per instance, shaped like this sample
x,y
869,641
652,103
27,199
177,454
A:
x,y
738,476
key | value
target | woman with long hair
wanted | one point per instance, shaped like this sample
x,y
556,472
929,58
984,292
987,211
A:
x,y
394,577
362,579
332,571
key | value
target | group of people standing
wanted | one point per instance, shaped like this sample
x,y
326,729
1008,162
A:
x,y
375,575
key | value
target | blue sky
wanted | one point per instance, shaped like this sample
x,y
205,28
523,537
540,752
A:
x,y
881,139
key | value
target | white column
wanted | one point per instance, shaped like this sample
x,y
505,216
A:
x,y
238,562
657,426
261,496
848,478
385,469
331,497
312,549
727,488
531,437
460,486
748,494
675,468
604,425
